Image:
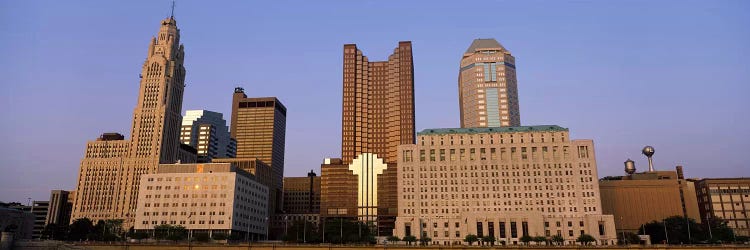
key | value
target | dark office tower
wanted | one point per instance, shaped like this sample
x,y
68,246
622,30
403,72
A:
x,y
259,127
378,103
487,86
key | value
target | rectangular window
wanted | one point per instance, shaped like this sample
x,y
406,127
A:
x,y
421,155
432,155
442,155
453,155
462,154
491,229
513,230
502,229
525,228
472,154
480,230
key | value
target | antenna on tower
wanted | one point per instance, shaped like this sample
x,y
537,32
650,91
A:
x,y
172,14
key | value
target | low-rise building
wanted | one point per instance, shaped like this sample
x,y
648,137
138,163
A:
x,y
15,220
505,182
39,210
60,207
640,198
726,198
212,197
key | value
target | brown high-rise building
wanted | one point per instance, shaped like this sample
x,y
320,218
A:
x,y
111,168
378,103
378,116
259,128
487,86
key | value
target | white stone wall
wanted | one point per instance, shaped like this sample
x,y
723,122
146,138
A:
x,y
537,177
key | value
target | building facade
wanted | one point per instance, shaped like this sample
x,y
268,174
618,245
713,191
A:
x,y
378,115
208,133
301,202
259,127
378,103
504,182
19,221
640,198
302,194
60,206
211,197
39,211
728,199
487,86
110,171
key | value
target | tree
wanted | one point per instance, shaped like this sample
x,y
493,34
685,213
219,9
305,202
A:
x,y
55,232
201,237
409,239
138,235
219,236
488,239
557,239
526,239
539,239
393,239
304,231
425,240
629,238
170,232
107,230
470,238
720,231
80,229
676,228
585,239
352,231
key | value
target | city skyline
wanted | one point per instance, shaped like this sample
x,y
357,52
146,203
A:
x,y
58,149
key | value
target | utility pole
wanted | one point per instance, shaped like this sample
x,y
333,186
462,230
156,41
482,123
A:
x,y
666,235
709,227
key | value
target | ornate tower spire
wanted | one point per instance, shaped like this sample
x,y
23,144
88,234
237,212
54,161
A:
x,y
156,118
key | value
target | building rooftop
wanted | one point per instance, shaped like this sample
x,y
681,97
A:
x,y
538,128
484,43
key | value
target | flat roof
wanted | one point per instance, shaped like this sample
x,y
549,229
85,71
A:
x,y
537,128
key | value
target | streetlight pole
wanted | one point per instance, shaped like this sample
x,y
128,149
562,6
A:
x,y
666,235
709,226
687,221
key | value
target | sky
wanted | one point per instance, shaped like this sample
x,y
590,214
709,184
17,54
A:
x,y
670,74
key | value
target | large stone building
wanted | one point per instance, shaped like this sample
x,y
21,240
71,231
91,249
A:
x,y
641,198
728,199
60,206
378,115
110,171
487,86
505,182
259,127
207,132
211,197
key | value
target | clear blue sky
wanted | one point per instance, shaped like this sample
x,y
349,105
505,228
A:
x,y
671,74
